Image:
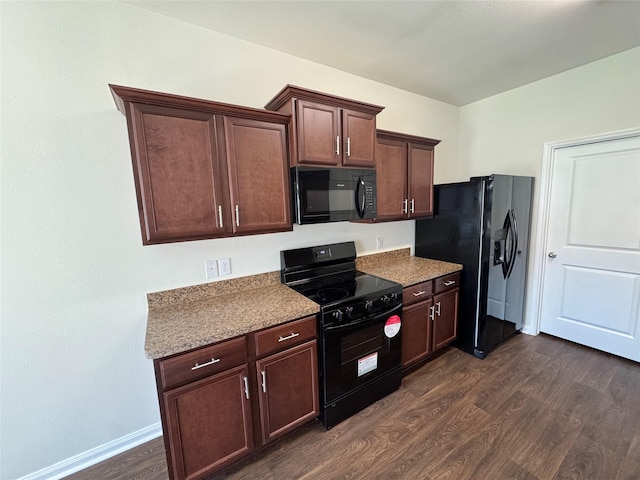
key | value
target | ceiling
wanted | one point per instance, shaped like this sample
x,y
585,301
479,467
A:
x,y
453,51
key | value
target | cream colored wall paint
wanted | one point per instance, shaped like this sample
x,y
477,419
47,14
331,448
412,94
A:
x,y
506,133
74,272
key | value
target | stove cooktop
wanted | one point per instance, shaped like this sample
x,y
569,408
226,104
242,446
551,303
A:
x,y
345,287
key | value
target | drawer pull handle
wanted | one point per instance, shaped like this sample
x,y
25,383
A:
x,y
197,365
449,283
264,382
431,312
246,387
288,337
418,294
438,311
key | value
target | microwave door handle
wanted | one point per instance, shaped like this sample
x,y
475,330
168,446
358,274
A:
x,y
360,198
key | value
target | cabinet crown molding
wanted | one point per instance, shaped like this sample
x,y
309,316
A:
x,y
404,137
122,95
291,91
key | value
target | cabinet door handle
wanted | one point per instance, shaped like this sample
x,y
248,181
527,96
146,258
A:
x,y
264,382
418,294
405,205
237,215
438,310
288,337
431,310
246,387
412,205
198,365
348,146
220,216
338,145
449,283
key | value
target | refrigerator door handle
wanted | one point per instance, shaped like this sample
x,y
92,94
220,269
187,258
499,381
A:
x,y
506,258
513,229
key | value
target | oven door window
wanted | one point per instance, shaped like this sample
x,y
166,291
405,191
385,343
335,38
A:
x,y
355,357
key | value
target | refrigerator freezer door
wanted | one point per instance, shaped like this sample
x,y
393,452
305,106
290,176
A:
x,y
454,235
469,227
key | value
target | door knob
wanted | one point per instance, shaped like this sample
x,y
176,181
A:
x,y
553,254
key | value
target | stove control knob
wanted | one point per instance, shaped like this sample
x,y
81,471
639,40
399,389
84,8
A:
x,y
338,315
386,299
394,296
368,305
348,311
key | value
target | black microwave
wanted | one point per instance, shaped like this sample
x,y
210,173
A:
x,y
333,194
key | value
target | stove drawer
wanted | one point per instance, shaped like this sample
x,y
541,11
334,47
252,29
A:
x,y
447,282
417,293
284,336
187,367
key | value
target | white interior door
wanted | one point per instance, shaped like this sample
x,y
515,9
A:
x,y
591,279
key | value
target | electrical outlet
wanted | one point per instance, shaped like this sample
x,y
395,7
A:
x,y
379,243
225,266
211,267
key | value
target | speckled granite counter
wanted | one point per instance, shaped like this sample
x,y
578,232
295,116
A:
x,y
191,317
401,267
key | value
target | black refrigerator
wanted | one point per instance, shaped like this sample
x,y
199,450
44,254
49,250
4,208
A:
x,y
483,224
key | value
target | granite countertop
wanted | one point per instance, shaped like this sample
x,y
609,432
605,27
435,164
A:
x,y
399,266
191,317
186,318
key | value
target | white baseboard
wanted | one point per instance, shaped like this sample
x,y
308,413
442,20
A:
x,y
96,455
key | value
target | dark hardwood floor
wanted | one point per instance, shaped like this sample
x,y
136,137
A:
x,y
536,408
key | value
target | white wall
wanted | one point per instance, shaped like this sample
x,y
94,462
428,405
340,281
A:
x,y
74,272
506,133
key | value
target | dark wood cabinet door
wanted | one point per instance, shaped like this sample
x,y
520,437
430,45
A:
x,y
416,332
391,175
288,385
318,133
445,324
420,181
177,170
209,423
258,169
358,139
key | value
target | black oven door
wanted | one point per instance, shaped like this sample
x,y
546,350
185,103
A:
x,y
358,354
333,194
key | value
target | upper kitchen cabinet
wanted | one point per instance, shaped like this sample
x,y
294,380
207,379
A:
x,y
205,169
404,169
328,130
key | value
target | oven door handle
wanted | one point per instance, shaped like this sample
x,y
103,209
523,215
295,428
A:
x,y
379,317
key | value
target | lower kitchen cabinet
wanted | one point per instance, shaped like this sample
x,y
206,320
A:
x,y
429,322
288,389
220,402
416,332
445,321
209,423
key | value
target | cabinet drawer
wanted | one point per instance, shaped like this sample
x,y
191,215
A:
x,y
283,336
203,362
447,282
416,293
